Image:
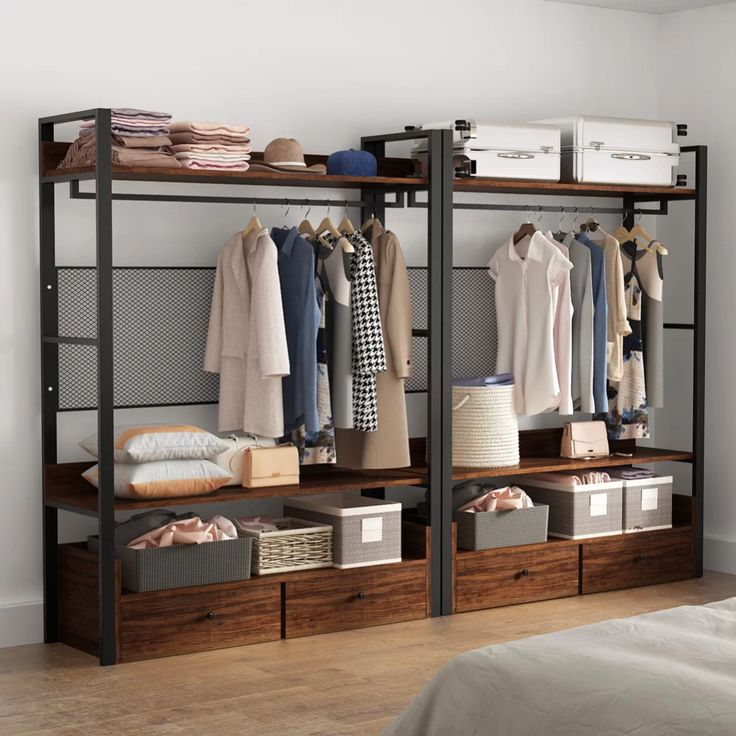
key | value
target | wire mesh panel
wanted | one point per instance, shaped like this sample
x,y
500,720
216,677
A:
x,y
160,318
474,335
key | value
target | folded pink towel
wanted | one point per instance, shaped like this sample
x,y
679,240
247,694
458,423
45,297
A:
x,y
256,523
187,126
209,148
499,499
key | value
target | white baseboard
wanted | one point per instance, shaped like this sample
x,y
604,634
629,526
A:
x,y
21,623
719,554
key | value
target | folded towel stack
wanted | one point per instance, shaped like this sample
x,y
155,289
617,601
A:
x,y
211,145
139,138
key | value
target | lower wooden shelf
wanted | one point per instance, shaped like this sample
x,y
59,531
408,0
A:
x,y
266,608
66,489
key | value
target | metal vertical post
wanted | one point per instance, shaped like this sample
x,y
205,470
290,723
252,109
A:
x,y
49,382
439,410
377,199
105,396
701,206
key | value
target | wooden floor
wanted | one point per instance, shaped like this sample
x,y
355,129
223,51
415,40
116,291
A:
x,y
332,685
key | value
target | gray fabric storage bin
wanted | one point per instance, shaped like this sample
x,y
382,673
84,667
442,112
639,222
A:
x,y
578,511
366,531
510,528
647,502
181,565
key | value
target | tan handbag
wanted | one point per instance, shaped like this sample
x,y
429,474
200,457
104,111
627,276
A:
x,y
584,440
270,466
232,459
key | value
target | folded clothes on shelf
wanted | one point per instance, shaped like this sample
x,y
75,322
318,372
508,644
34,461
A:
x,y
635,473
256,523
210,145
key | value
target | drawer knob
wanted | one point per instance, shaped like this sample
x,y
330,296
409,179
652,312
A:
x,y
525,572
641,556
360,595
209,615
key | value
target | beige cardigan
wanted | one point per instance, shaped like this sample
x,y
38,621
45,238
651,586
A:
x,y
618,324
246,341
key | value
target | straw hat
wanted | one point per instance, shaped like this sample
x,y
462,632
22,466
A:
x,y
285,154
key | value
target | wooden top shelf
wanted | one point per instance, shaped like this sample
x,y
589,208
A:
x,y
396,174
66,489
501,186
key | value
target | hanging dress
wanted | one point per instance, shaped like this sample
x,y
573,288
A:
x,y
318,448
628,416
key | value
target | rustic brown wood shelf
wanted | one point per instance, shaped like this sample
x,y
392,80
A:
x,y
395,174
546,464
503,186
67,490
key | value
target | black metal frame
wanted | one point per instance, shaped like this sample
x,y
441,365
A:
x,y
440,206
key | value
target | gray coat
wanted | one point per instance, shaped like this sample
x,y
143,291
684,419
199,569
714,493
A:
x,y
246,341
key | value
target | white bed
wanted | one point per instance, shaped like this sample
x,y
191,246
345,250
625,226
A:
x,y
671,673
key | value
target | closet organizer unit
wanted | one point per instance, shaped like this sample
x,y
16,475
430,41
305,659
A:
x,y
85,605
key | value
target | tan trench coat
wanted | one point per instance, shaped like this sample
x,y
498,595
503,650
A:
x,y
246,341
388,446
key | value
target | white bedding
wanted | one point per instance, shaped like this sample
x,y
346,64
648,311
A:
x,y
671,673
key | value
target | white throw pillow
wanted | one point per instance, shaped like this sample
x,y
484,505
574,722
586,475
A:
x,y
164,479
148,443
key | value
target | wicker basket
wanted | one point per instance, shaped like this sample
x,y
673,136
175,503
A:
x,y
485,429
297,545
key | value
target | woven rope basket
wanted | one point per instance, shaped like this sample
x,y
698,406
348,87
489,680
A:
x,y
485,430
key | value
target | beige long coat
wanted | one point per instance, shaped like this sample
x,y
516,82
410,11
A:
x,y
246,341
388,446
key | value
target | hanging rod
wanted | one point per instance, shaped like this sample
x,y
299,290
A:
x,y
557,209
76,193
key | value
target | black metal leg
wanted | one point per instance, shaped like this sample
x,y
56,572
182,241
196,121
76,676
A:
x,y
49,383
105,400
377,200
701,203
439,430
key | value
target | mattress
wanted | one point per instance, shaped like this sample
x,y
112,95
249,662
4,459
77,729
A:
x,y
671,673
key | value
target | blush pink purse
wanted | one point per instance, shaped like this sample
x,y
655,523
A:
x,y
584,440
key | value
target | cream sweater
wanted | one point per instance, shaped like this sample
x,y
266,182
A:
x,y
618,324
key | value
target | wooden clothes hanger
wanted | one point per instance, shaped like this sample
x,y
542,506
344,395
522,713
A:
x,y
526,228
327,226
345,225
631,236
254,223
305,226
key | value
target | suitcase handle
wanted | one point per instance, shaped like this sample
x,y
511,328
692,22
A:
x,y
515,155
631,156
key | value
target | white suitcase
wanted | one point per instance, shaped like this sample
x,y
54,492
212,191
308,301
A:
x,y
598,150
515,151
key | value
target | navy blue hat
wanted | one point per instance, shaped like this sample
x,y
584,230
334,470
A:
x,y
352,163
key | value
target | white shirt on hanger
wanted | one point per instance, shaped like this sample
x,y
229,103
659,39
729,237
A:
x,y
528,276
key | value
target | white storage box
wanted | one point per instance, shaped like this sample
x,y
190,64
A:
x,y
518,151
577,511
647,502
598,150
365,531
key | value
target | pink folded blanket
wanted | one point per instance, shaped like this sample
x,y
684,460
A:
x,y
220,165
187,531
499,499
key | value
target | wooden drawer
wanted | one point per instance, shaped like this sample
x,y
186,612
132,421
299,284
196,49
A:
x,y
194,619
490,578
637,559
351,599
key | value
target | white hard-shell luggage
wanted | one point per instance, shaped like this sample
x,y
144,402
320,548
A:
x,y
515,151
600,150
